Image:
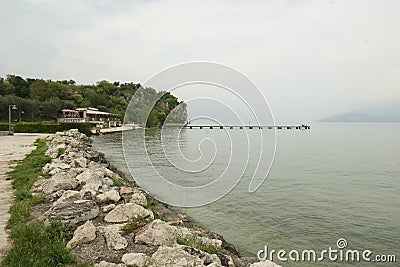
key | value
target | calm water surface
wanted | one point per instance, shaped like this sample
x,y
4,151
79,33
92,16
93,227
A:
x,y
333,181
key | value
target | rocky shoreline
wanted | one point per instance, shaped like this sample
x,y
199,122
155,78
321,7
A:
x,y
114,222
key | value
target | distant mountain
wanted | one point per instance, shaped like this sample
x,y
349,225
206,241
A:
x,y
355,117
388,111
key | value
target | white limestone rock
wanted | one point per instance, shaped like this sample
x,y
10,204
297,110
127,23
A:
x,y
108,207
90,175
46,168
68,196
74,172
125,212
138,198
211,241
80,162
60,181
83,234
157,232
179,255
93,185
108,181
266,263
109,264
113,237
72,212
110,174
109,196
136,259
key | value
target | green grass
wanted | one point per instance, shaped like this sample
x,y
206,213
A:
x,y
38,245
60,151
150,204
195,241
34,244
135,224
118,182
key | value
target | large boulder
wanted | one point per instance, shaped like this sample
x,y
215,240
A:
x,y
110,174
53,196
68,196
73,212
114,239
125,191
57,167
266,263
211,241
136,259
83,234
109,196
108,208
108,181
90,175
92,185
109,264
60,181
157,233
133,195
125,212
80,162
138,198
179,255
74,172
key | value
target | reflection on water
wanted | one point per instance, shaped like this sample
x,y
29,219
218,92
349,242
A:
x,y
334,181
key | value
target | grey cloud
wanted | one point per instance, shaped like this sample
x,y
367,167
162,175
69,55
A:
x,y
310,58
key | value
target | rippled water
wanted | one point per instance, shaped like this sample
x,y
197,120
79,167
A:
x,y
333,181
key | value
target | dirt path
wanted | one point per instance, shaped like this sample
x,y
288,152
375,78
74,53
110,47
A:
x,y
11,148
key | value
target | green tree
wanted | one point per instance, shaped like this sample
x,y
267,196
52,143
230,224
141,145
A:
x,y
59,90
94,99
152,118
105,87
21,87
39,90
8,88
44,98
51,108
78,99
2,87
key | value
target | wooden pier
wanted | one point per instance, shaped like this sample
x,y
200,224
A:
x,y
249,127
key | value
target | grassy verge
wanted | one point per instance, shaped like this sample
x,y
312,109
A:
x,y
195,241
34,244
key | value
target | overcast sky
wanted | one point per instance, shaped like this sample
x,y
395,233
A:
x,y
310,58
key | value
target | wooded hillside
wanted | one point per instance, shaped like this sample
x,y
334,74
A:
x,y
43,99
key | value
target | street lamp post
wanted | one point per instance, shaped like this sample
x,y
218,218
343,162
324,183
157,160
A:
x,y
10,126
20,115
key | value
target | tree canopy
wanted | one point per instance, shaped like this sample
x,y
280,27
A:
x,y
41,99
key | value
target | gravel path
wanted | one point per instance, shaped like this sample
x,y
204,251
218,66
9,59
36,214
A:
x,y
11,148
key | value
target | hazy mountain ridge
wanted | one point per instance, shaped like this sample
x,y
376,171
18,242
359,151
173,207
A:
x,y
388,111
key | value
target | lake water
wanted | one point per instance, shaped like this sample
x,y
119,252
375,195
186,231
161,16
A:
x,y
333,181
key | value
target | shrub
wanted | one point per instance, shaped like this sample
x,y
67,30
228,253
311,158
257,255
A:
x,y
43,127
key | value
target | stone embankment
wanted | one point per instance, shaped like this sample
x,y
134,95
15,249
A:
x,y
114,222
